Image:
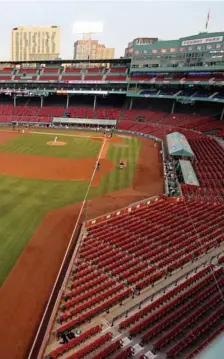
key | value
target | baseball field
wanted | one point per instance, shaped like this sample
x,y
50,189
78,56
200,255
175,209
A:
x,y
43,183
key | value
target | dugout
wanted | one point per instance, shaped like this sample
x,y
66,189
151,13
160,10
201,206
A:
x,y
178,147
186,173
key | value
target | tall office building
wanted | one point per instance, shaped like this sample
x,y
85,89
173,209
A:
x,y
35,43
91,50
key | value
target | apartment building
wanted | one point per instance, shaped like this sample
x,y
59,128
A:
x,y
35,43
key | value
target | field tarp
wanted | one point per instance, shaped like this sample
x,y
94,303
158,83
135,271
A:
x,y
178,145
188,173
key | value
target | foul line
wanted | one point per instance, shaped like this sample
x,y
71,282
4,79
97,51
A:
x,y
67,250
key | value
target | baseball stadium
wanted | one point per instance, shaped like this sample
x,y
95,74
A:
x,y
112,204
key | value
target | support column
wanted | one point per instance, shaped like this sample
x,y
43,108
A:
x,y
94,103
131,104
222,114
14,100
173,107
67,103
41,101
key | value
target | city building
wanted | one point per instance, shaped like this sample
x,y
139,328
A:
x,y
35,43
139,40
203,50
88,49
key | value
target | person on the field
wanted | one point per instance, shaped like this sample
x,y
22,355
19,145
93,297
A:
x,y
121,165
55,139
98,166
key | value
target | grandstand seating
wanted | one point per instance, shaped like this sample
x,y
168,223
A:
x,y
118,69
9,113
147,121
93,74
169,317
183,78
6,74
138,249
116,74
72,74
89,348
92,78
50,70
116,78
172,226
194,303
27,70
74,342
209,167
72,70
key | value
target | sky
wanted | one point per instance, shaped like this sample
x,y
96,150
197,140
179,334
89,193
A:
x,y
123,20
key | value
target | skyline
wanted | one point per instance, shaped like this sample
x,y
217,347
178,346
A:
x,y
122,23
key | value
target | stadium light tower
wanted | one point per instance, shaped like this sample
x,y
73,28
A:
x,y
87,29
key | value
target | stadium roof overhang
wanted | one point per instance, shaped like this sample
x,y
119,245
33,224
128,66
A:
x,y
178,145
188,173
121,61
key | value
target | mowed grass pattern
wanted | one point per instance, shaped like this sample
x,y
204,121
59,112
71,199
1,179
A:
x,y
36,144
24,202
119,179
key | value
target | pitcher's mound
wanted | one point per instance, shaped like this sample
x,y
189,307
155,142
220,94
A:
x,y
58,143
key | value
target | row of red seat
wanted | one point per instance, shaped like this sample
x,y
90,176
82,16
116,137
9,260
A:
x,y
209,164
125,353
166,297
170,335
199,330
75,342
148,77
86,287
91,293
90,348
178,303
83,281
202,345
109,350
89,304
147,234
188,321
89,314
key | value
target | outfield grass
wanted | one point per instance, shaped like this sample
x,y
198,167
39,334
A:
x,y
36,144
117,179
24,202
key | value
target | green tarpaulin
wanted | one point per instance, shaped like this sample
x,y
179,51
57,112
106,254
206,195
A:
x,y
188,173
178,145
